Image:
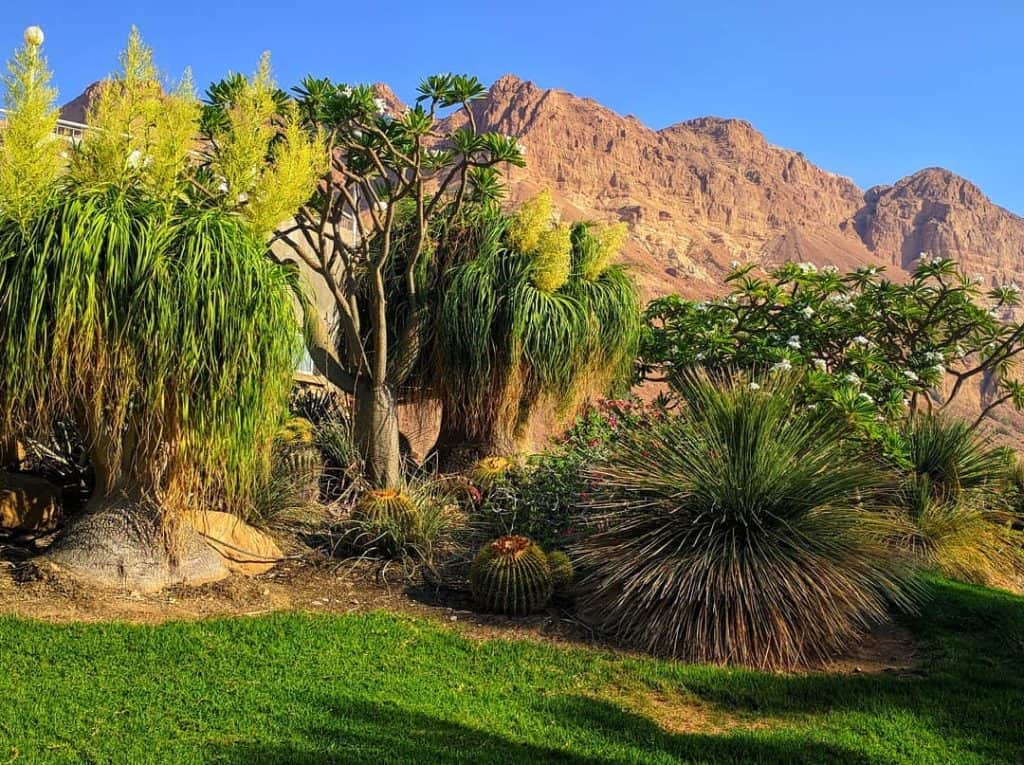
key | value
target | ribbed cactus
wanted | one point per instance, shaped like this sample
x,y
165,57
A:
x,y
562,571
388,508
511,576
488,471
296,430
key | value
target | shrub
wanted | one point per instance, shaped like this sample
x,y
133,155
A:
x,y
562,571
511,576
740,530
960,525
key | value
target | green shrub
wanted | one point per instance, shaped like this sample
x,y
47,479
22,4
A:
x,y
960,523
562,571
511,576
741,531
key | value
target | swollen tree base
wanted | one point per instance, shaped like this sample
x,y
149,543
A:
x,y
118,544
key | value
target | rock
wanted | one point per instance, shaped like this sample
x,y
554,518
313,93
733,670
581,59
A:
x,y
243,549
119,544
28,503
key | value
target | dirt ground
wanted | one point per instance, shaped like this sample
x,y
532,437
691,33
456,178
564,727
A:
x,y
318,585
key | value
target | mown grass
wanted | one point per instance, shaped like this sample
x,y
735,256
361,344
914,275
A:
x,y
293,688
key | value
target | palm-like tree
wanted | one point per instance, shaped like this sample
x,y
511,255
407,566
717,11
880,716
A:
x,y
535,312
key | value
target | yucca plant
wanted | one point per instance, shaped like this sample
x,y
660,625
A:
x,y
534,313
511,575
742,530
952,492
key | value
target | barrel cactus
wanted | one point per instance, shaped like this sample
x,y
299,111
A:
x,y
562,571
488,471
387,507
299,455
511,575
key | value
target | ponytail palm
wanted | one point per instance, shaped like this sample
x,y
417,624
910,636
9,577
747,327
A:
x,y
514,328
166,336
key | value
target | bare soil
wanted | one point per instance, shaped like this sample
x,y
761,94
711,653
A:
x,y
315,584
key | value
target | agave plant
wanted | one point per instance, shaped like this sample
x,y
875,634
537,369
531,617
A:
x,y
960,523
741,530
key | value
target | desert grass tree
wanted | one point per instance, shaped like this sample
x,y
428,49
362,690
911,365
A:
x,y
743,529
367,233
961,524
535,312
143,310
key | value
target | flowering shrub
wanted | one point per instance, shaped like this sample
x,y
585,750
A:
x,y
871,348
542,498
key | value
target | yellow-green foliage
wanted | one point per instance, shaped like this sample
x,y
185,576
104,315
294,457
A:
x,y
609,242
139,135
553,259
30,153
297,430
267,194
531,220
511,576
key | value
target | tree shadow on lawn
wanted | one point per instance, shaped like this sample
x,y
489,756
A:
x,y
965,699
379,733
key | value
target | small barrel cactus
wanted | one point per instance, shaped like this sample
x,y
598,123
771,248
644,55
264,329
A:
x,y
511,576
387,507
562,571
488,471
297,430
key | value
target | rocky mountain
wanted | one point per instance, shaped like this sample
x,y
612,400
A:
x,y
702,193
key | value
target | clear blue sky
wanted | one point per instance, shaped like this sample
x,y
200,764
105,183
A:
x,y
873,90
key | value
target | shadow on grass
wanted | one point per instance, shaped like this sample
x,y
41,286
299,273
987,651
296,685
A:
x,y
372,733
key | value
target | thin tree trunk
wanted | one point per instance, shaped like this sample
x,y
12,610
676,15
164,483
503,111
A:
x,y
376,432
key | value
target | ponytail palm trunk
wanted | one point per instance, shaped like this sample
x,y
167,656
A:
x,y
168,339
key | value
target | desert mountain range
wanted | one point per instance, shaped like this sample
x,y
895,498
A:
x,y
702,193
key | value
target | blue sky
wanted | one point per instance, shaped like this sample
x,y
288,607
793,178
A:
x,y
872,90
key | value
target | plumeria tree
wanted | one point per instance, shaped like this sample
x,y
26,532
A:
x,y
369,232
872,348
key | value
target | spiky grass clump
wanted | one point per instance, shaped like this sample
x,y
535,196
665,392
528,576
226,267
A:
x,y
740,531
489,471
563,574
960,525
511,576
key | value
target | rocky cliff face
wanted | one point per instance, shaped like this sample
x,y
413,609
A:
x,y
702,193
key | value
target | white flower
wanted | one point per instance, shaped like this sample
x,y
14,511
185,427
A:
x,y
933,356
134,157
754,386
734,265
807,312
794,342
866,397
851,378
860,340
807,268
910,375
831,269
521,148
381,105
222,187
346,91
33,36
939,369
782,366
699,356
960,351
701,306
820,365
243,198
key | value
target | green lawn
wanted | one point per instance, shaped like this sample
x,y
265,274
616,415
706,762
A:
x,y
381,688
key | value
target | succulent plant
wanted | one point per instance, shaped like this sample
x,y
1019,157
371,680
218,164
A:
x,y
511,576
296,430
387,508
562,571
489,470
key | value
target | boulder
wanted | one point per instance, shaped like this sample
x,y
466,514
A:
x,y
28,504
243,549
120,544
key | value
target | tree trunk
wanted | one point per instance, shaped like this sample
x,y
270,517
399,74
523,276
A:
x,y
376,433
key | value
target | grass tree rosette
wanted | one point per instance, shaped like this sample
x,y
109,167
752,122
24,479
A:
x,y
511,576
741,531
